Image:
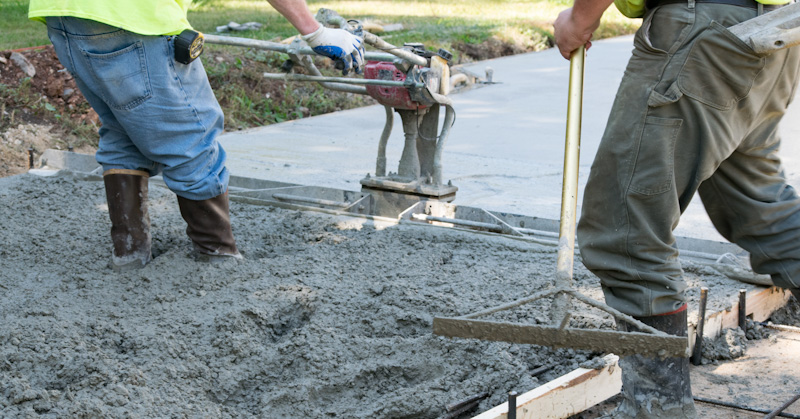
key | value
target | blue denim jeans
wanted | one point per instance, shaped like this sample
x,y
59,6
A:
x,y
157,115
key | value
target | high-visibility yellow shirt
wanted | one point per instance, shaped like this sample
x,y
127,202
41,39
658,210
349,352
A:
x,y
145,17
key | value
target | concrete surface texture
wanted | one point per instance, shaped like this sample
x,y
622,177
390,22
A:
x,y
327,316
505,151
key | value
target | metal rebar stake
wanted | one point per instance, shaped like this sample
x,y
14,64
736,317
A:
x,y
743,310
779,411
741,407
697,354
512,405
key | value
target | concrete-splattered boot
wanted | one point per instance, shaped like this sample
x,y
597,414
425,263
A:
x,y
653,387
209,227
126,194
796,293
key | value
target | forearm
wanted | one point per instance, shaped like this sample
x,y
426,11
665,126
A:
x,y
297,13
574,26
587,13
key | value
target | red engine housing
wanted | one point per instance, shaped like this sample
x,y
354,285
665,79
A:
x,y
396,97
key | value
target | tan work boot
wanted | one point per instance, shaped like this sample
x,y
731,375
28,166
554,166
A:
x,y
126,194
209,226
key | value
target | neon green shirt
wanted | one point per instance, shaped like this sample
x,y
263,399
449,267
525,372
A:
x,y
145,17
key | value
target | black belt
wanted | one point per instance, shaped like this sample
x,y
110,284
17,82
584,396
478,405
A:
x,y
753,4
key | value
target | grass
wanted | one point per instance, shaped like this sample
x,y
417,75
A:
x,y
16,31
249,100
435,23
235,74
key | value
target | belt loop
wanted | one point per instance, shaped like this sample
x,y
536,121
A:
x,y
691,4
760,9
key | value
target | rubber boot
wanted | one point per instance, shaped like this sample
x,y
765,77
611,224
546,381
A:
x,y
653,387
209,227
126,194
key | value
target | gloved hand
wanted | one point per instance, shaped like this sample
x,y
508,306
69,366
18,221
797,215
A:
x,y
338,44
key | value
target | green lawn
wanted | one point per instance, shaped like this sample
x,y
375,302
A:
x,y
436,23
250,100
16,31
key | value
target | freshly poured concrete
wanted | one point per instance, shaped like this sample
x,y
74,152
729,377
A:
x,y
326,315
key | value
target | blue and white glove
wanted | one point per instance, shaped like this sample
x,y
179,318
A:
x,y
340,45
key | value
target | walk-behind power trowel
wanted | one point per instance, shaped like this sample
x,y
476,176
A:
x,y
409,80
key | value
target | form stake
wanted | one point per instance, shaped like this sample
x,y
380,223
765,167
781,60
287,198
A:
x,y
512,405
743,310
697,354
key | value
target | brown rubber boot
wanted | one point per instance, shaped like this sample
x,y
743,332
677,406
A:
x,y
126,194
654,387
209,226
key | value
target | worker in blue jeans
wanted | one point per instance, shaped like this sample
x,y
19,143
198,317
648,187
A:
x,y
697,111
159,115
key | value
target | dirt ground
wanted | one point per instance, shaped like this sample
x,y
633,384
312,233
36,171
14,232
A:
x,y
762,376
40,112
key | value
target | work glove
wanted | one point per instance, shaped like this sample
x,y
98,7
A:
x,y
345,48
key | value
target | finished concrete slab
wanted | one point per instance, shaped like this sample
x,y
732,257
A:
x,y
506,148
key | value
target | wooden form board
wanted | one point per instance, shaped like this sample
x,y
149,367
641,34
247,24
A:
x,y
583,388
759,304
567,395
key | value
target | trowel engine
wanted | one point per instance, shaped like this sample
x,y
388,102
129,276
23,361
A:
x,y
417,101
435,77
415,85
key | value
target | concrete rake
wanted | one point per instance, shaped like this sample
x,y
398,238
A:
x,y
649,342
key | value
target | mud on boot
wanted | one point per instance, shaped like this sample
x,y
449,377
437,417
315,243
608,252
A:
x,y
654,387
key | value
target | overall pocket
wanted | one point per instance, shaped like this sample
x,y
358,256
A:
x,y
720,69
654,160
122,76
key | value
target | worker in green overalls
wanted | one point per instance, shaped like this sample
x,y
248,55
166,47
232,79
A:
x,y
697,111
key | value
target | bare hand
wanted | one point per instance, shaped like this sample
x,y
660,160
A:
x,y
571,33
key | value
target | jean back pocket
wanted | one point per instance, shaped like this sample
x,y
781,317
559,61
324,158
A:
x,y
121,76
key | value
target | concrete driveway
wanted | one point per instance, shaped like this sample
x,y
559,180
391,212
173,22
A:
x,y
505,151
